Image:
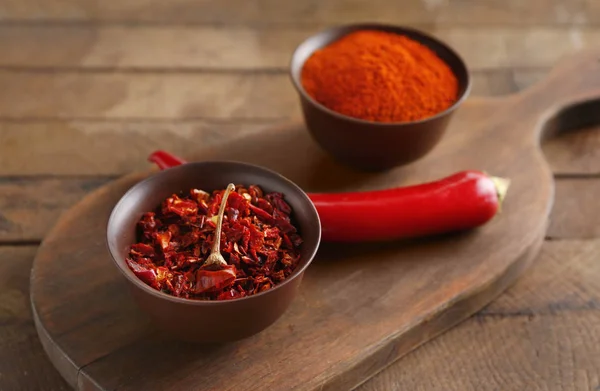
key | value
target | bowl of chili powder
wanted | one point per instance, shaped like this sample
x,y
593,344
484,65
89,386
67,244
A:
x,y
161,233
377,96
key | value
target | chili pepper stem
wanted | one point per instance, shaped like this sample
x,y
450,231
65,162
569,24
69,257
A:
x,y
215,257
502,185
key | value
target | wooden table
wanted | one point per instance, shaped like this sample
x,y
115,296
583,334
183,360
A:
x,y
89,88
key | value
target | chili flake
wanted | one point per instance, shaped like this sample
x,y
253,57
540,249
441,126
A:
x,y
259,242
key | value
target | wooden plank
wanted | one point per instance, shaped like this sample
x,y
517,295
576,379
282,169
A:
x,y
566,278
158,96
23,363
494,83
575,153
540,333
119,147
146,96
468,12
163,47
30,206
592,7
62,146
559,352
525,78
105,147
576,211
249,48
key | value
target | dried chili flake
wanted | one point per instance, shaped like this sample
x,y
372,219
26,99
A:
x,y
259,242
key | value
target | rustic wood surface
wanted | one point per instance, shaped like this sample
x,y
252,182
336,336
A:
x,y
90,87
340,335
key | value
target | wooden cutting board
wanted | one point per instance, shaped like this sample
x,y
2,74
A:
x,y
360,306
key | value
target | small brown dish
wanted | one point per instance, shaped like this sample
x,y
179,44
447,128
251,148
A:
x,y
367,145
210,321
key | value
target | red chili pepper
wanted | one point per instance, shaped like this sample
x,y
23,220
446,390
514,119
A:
x,y
214,280
461,201
165,160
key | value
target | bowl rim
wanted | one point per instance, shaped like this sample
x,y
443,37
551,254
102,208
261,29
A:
x,y
122,266
397,29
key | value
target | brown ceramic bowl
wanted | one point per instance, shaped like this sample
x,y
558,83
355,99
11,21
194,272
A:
x,y
210,321
368,145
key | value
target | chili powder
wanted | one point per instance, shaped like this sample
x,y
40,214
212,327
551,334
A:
x,y
258,241
380,76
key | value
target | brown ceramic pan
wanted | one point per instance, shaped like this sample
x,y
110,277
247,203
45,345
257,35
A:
x,y
211,321
367,145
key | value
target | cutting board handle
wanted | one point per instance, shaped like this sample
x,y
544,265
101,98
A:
x,y
574,79
572,88
573,82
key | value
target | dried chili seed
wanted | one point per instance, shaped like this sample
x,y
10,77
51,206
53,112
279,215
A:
x,y
199,195
163,239
259,242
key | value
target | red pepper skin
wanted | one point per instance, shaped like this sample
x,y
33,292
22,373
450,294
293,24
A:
x,y
461,201
458,202
165,160
214,280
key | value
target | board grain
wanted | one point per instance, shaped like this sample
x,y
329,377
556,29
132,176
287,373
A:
x,y
360,307
541,334
23,364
